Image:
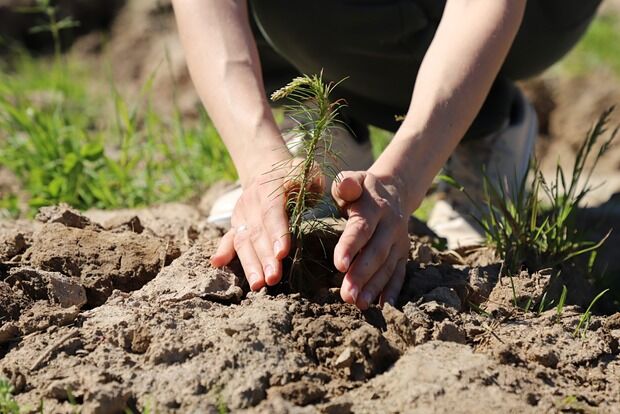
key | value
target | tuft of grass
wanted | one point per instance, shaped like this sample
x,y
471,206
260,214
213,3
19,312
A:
x,y
8,405
584,321
533,224
222,408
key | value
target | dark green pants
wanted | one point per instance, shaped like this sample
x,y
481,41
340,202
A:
x,y
379,45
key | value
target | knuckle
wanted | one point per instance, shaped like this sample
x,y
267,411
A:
x,y
243,199
374,287
382,203
382,252
362,226
238,241
356,273
266,214
371,292
390,268
254,234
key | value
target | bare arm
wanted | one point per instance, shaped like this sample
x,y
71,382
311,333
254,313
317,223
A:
x,y
469,47
224,64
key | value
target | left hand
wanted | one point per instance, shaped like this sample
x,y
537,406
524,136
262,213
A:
x,y
374,246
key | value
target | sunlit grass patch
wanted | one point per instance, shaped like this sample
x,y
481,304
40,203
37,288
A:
x,y
8,405
600,47
68,144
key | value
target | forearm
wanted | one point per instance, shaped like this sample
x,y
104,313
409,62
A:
x,y
471,43
224,65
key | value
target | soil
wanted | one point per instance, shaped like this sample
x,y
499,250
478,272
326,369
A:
x,y
107,311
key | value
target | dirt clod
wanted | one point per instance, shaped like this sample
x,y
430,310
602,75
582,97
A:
x,y
445,295
101,261
300,393
67,216
12,244
57,287
8,331
449,332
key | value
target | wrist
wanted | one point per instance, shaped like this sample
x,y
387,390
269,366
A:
x,y
410,167
260,162
257,149
409,196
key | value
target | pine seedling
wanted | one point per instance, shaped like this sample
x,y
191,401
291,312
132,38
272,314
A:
x,y
316,118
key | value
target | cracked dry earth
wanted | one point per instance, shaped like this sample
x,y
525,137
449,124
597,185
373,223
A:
x,y
105,312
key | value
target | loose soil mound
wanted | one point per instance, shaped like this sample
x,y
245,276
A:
x,y
124,311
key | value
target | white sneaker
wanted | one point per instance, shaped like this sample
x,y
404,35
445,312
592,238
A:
x,y
504,155
352,154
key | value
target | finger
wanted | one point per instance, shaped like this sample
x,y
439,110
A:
x,y
263,247
348,291
378,281
348,188
275,220
252,266
361,225
393,287
225,250
373,256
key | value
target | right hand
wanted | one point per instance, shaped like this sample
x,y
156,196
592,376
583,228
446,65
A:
x,y
259,233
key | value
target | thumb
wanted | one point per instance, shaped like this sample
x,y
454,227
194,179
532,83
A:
x,y
348,187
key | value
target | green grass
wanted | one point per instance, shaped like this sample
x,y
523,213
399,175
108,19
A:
x,y
66,143
379,140
599,47
559,309
8,405
542,304
584,321
533,223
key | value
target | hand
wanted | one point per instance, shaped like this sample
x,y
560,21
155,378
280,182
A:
x,y
259,233
374,246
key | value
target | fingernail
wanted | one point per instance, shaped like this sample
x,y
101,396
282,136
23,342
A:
x,y
354,290
269,270
366,298
252,280
346,261
277,247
